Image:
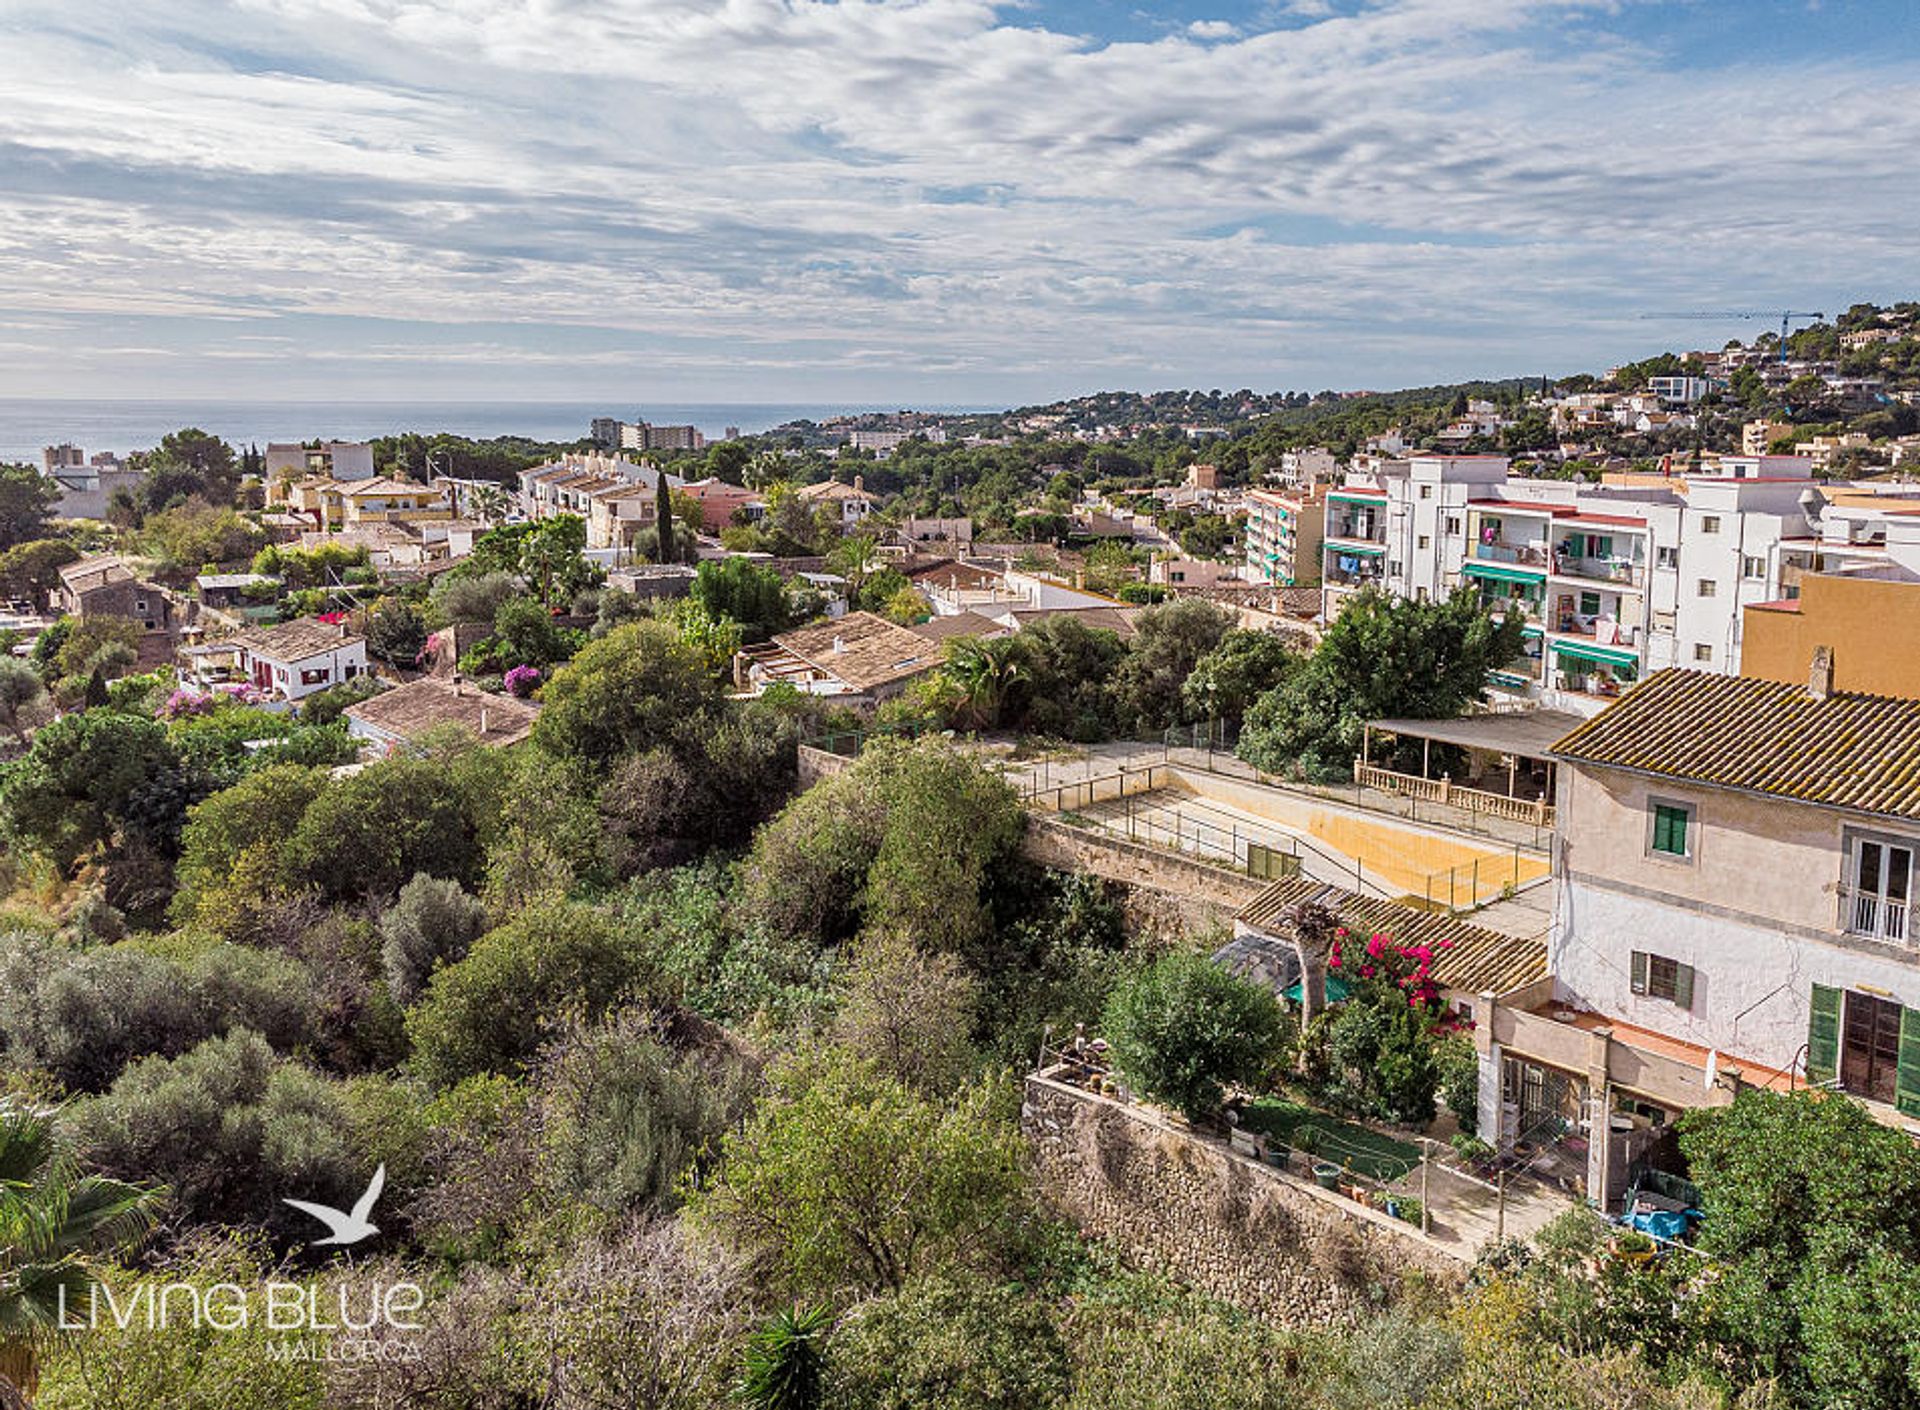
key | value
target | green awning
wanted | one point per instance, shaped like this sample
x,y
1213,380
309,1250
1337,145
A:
x,y
1340,545
1355,497
1336,990
1599,655
1531,631
1506,573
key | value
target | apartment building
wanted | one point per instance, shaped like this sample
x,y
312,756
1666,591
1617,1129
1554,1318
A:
x,y
1283,535
1757,437
1612,581
333,460
643,436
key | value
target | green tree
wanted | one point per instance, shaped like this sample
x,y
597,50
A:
x,y
746,592
1183,1027
626,691
663,519
23,698
54,1221
85,779
396,632
1237,672
432,922
233,848
844,1178
369,834
1170,641
206,458
32,569
1381,657
980,679
1813,1223
27,499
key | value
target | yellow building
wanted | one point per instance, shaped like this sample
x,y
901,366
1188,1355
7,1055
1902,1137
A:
x,y
1870,626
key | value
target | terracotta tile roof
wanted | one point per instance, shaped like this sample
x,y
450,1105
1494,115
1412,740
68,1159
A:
x,y
410,710
1473,961
862,650
1846,751
960,624
84,574
294,641
1119,620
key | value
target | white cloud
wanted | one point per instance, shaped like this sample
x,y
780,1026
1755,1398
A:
x,y
926,188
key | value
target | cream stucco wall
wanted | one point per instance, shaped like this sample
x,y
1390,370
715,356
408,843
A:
x,y
1756,912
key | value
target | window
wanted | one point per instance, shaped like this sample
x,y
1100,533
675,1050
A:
x,y
1453,526
1708,587
1702,652
1425,542
1393,569
1671,824
1659,977
139,604
1751,567
1426,491
1666,558
314,676
1710,523
1589,604
1879,883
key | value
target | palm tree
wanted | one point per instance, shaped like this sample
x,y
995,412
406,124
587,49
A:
x,y
489,504
53,1221
983,675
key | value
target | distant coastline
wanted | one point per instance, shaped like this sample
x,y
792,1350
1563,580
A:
x,y
28,424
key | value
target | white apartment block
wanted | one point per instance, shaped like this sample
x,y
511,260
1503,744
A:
x,y
1616,580
336,460
1282,536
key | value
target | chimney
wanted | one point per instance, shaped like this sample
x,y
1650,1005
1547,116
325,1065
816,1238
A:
x,y
839,645
860,482
343,628
1820,678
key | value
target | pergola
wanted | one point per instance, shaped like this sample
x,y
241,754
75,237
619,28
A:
x,y
1513,736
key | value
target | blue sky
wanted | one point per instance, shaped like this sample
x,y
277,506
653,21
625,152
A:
x,y
933,200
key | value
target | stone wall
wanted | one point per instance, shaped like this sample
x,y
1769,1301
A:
x,y
816,764
1202,893
1274,1244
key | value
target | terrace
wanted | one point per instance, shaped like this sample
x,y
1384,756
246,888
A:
x,y
1611,557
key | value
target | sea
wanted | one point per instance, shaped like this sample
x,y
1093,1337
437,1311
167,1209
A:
x,y
28,425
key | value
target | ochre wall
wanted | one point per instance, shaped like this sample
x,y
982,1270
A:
x,y
1871,624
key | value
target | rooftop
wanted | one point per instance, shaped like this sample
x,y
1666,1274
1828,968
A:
x,y
1466,958
862,650
295,641
1844,751
410,710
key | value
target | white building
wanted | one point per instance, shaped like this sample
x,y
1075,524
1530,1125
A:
x,y
338,460
298,658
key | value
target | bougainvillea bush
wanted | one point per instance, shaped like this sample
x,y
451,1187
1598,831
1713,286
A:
x,y
1382,1042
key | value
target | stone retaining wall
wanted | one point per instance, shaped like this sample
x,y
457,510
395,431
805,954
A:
x,y
1203,893
1186,1205
816,764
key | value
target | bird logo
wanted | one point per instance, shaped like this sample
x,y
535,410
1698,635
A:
x,y
349,1227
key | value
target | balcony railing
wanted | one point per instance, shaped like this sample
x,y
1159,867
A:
x,y
1870,913
1528,555
1359,530
1620,571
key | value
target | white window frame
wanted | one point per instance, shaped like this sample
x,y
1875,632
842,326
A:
x,y
1884,913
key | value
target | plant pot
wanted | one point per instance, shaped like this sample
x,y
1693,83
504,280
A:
x,y
1327,1176
1392,1206
1278,1154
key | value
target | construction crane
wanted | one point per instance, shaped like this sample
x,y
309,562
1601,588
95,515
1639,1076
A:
x,y
1787,318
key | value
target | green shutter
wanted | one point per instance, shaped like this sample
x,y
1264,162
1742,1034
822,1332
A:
x,y
1683,986
1823,1035
1906,1082
1639,971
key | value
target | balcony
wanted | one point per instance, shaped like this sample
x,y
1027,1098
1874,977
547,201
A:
x,y
1877,916
1524,555
1618,572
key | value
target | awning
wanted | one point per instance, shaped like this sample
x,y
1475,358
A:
x,y
1599,655
1357,496
1341,545
1506,574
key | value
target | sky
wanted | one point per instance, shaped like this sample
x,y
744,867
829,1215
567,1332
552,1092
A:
x,y
950,201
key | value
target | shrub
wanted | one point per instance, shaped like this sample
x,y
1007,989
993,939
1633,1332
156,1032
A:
x,y
960,1345
844,1178
492,1011
433,922
1184,1026
83,1015
230,1130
